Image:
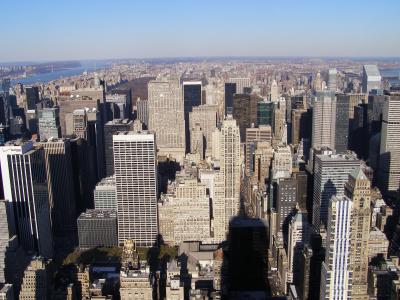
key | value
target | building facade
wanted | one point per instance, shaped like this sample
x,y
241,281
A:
x,y
331,172
166,116
336,271
136,185
105,194
389,161
324,120
49,123
24,173
111,128
97,228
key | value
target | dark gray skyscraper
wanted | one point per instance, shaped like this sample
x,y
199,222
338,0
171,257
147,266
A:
x,y
230,90
97,228
191,98
342,123
32,97
61,187
285,203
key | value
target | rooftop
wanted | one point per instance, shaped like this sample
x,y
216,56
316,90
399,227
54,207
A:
x,y
107,181
372,70
98,213
118,122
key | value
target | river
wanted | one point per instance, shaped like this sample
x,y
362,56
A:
x,y
46,77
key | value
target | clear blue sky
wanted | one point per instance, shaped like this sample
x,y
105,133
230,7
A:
x,y
89,29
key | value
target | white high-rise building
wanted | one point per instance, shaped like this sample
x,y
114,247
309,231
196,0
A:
x,y
282,162
166,116
25,186
142,111
371,78
226,200
274,91
389,164
331,172
332,85
324,120
135,168
299,234
105,194
336,271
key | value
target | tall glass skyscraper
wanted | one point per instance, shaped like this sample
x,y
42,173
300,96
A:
x,y
265,113
25,186
230,90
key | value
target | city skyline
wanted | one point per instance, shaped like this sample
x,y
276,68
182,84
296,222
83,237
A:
x,y
249,151
167,29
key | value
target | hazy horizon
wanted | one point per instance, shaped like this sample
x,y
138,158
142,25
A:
x,y
194,58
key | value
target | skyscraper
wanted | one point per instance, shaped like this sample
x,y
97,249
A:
x,y
254,136
241,84
389,162
227,181
32,97
230,91
332,84
345,125
371,78
25,186
166,116
265,113
61,186
6,107
84,174
97,228
285,204
36,283
274,95
336,271
324,120
342,130
191,99
298,237
49,123
206,116
111,128
136,181
4,238
105,194
358,189
197,144
142,111
245,112
79,123
301,125
331,172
